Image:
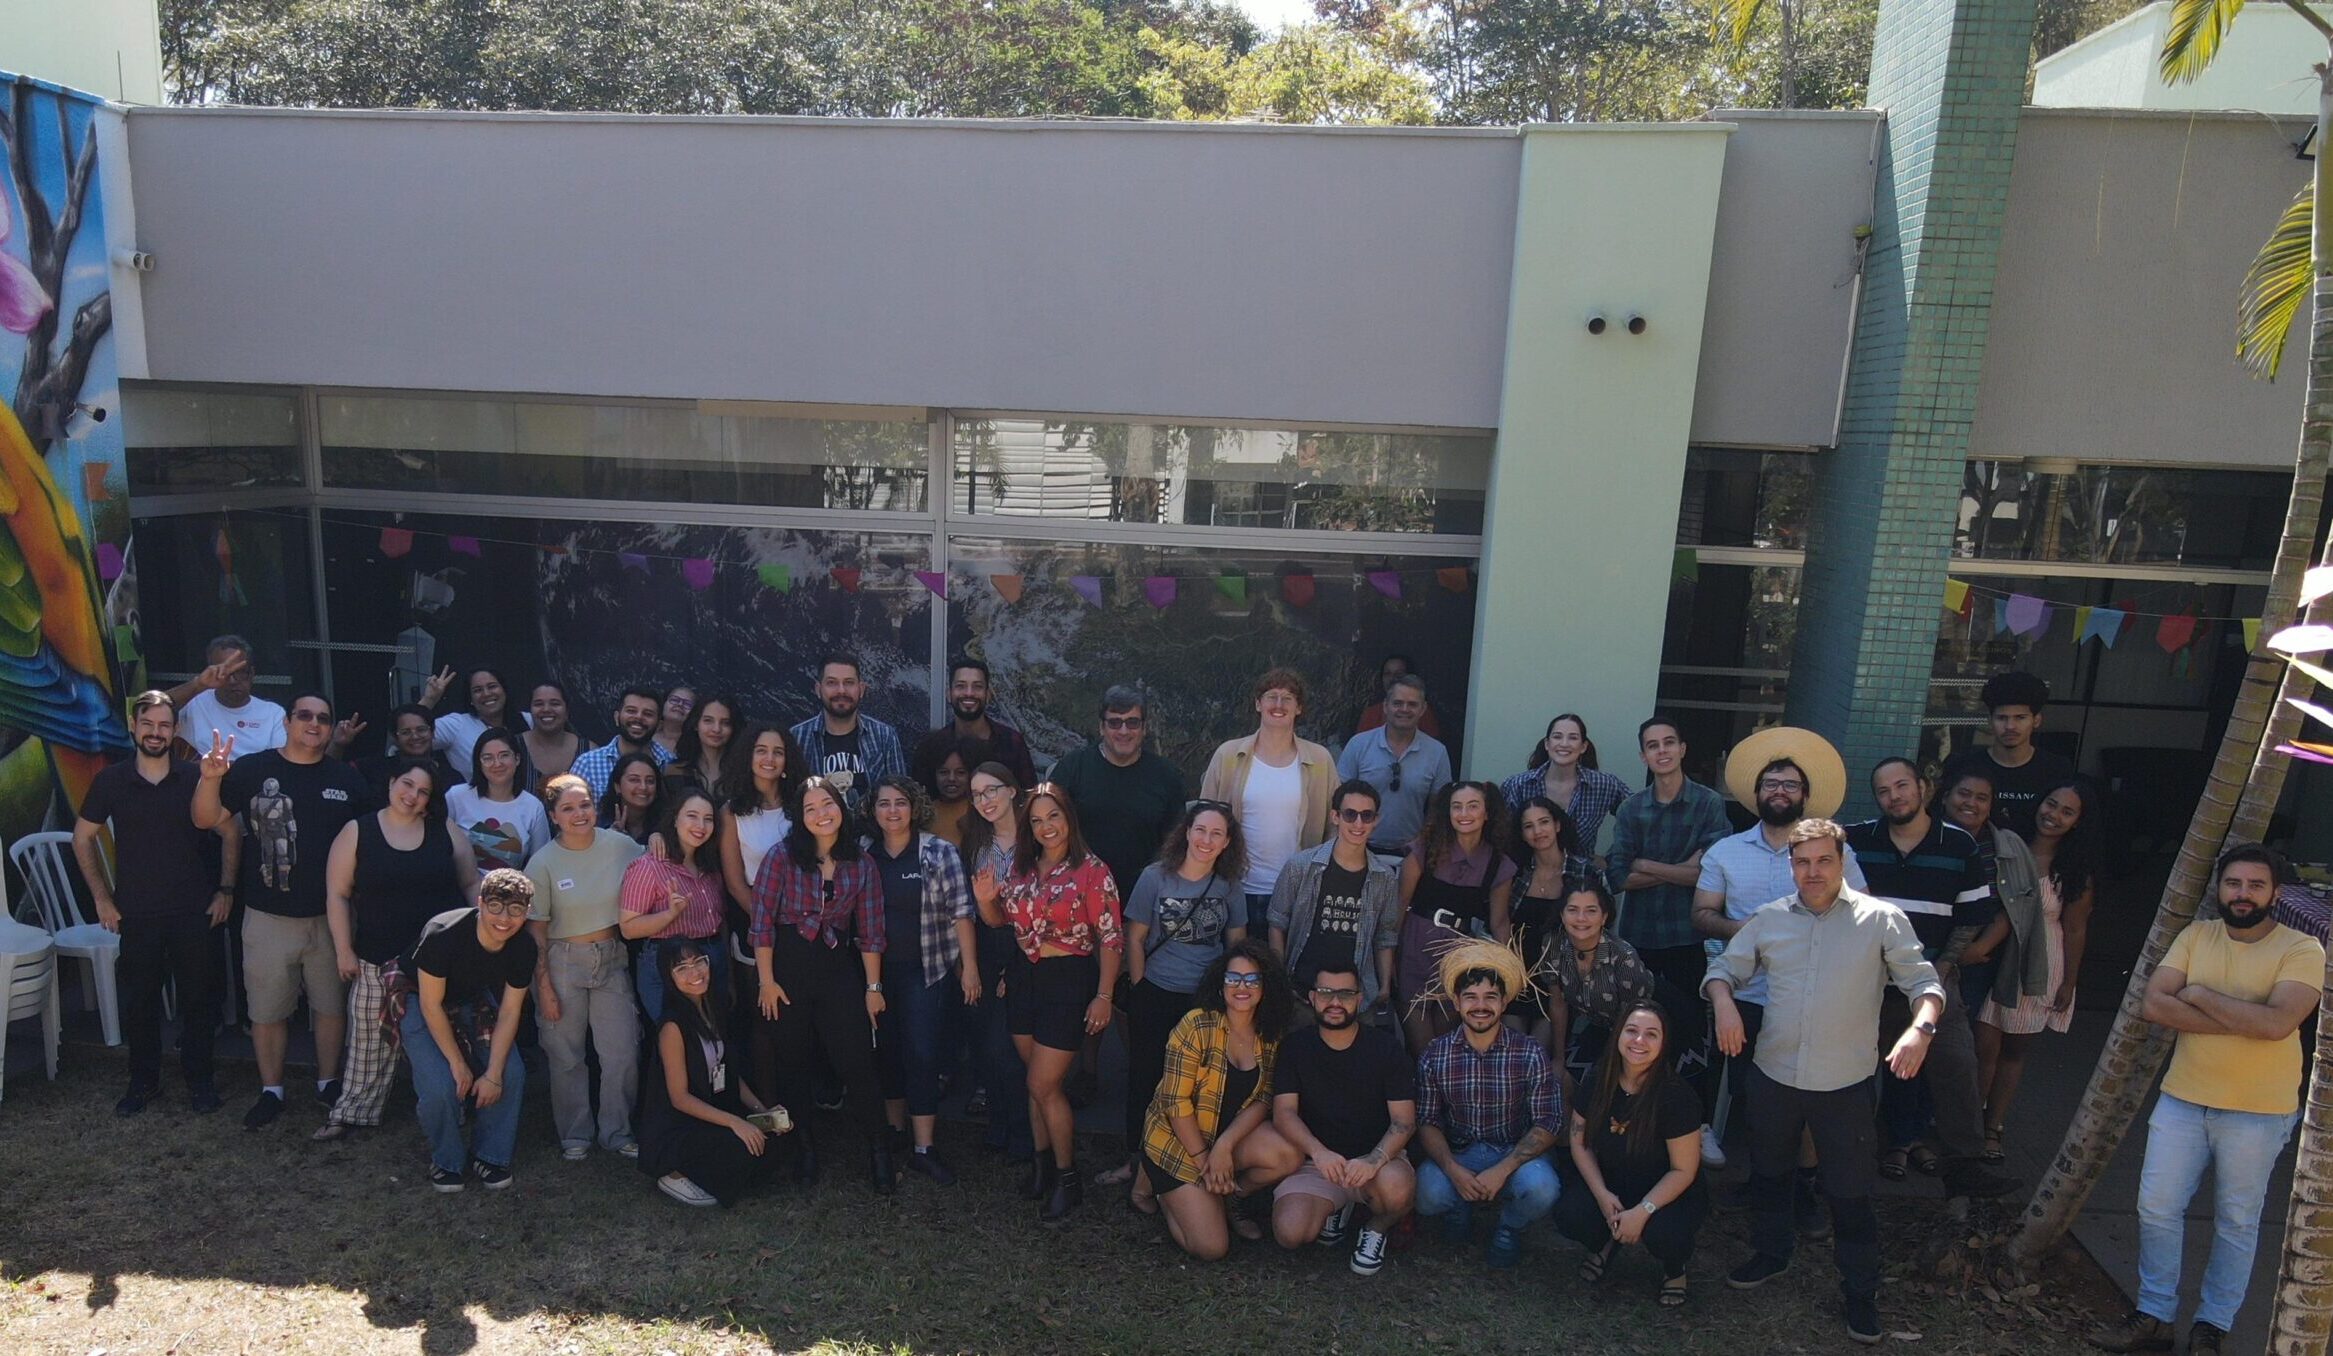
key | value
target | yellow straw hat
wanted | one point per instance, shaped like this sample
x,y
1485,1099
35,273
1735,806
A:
x,y
1826,775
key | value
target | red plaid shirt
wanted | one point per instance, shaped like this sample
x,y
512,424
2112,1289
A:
x,y
785,895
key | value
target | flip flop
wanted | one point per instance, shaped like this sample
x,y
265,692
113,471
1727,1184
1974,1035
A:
x,y
1892,1164
1672,1292
1592,1270
1993,1152
1117,1176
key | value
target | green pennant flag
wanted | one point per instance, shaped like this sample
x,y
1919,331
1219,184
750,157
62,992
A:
x,y
778,577
1232,586
1686,567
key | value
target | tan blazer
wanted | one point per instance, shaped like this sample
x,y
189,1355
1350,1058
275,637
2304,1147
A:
x,y
1227,778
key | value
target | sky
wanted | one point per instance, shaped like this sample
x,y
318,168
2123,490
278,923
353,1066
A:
x,y
1272,15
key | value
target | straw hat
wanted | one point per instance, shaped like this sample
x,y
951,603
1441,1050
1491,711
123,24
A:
x,y
1501,959
1826,775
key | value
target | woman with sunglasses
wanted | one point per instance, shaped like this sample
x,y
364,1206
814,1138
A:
x,y
675,897
1636,1156
1207,1140
1063,908
695,1138
1186,910
1563,769
1455,883
463,988
929,947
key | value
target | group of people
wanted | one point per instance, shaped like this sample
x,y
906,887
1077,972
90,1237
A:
x,y
1351,986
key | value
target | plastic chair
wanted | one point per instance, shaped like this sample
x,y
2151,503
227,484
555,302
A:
x,y
45,862
28,988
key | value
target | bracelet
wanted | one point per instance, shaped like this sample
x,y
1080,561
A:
x,y
482,1078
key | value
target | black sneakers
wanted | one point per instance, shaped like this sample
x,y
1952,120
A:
x,y
263,1113
202,1099
490,1176
1756,1272
441,1179
1863,1319
134,1101
329,1093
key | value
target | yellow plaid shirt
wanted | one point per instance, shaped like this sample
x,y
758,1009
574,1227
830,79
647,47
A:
x,y
1198,1059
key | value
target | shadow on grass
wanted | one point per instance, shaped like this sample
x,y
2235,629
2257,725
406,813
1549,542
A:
x,y
197,1236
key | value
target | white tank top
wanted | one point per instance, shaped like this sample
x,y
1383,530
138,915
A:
x,y
757,833
1271,814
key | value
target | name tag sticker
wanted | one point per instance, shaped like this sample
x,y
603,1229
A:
x,y
565,884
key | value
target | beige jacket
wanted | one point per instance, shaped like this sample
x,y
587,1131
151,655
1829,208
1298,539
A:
x,y
1227,777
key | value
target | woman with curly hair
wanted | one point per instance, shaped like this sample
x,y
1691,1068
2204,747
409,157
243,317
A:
x,y
929,946
2066,853
1208,1139
1455,885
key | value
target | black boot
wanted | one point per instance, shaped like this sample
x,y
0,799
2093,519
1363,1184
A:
x,y
1067,1195
805,1156
1039,1183
879,1164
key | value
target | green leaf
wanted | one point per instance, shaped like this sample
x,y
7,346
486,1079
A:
x,y
1738,16
2274,287
2194,37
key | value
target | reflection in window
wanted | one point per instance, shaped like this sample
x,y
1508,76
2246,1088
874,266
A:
x,y
1725,656
2122,515
653,452
209,440
181,603
1735,498
1230,477
1053,652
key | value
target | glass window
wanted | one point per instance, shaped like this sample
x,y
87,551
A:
x,y
1231,477
245,573
601,605
1053,652
710,453
1725,657
2123,515
1735,498
209,440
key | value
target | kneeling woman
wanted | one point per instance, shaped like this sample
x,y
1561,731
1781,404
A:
x,y
1208,1139
694,1135
466,988
1636,1146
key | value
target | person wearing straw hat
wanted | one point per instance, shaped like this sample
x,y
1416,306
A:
x,y
1489,1104
1782,775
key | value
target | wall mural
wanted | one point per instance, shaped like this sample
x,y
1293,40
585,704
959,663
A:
x,y
67,599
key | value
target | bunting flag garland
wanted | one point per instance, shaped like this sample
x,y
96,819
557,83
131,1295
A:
x,y
1453,578
1007,586
2175,632
1956,597
2028,615
462,546
1298,590
2001,616
1233,587
396,542
2251,635
2106,624
1685,566
1159,589
1089,587
1387,582
777,577
633,560
698,571
933,580
230,588
848,577
109,561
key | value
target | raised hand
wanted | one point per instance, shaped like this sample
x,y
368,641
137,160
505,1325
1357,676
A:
x,y
434,691
215,676
220,758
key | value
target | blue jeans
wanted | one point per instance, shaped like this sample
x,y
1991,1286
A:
x,y
1529,1193
909,1036
441,1111
2241,1149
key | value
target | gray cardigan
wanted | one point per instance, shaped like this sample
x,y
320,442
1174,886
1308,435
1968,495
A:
x,y
1296,901
2024,968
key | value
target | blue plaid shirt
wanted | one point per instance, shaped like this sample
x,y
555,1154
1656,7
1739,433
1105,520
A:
x,y
1597,795
598,765
1488,1097
880,755
947,896
1661,915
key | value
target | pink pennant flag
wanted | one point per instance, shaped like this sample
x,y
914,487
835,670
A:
x,y
1159,589
462,546
1089,587
109,561
396,541
934,580
633,560
698,571
2028,615
1387,582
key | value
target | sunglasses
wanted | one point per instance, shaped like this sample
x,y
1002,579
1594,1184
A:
x,y
1121,722
1247,981
313,717
1359,816
1395,787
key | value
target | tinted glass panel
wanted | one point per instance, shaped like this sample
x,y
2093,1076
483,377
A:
x,y
181,440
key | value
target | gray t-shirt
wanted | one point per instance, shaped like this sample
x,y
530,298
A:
x,y
1186,919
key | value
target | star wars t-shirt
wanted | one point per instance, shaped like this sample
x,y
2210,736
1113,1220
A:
x,y
290,814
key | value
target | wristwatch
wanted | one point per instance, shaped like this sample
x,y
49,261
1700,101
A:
x,y
877,988
1928,1028
1647,1206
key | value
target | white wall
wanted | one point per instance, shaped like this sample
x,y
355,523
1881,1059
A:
x,y
2262,65
109,48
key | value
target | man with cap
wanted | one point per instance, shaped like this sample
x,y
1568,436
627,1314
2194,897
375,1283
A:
x,y
1782,775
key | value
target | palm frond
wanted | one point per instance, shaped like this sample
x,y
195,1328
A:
x,y
2194,37
2274,286
1738,16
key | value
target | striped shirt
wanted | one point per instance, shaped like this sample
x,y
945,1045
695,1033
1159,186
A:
x,y
649,885
1943,884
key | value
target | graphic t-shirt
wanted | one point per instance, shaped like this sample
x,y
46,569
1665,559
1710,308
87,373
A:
x,y
1336,920
1186,919
290,813
843,767
254,727
1627,1177
503,833
1341,1094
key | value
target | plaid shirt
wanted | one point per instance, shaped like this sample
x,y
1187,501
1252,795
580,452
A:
x,y
947,896
1661,915
1198,1062
785,895
648,888
597,765
1597,795
1492,1097
879,755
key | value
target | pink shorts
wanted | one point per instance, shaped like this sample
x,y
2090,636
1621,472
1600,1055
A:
x,y
1307,1181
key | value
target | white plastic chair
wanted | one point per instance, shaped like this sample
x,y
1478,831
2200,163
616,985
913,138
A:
x,y
28,988
45,860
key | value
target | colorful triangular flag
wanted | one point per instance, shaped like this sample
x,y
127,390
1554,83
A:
x,y
1956,597
1387,582
1007,586
848,577
775,576
2175,632
462,546
933,580
1233,586
396,542
1298,589
1089,587
632,560
109,561
698,571
2105,623
1453,577
1159,589
2251,635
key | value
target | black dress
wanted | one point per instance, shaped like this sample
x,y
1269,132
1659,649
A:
x,y
671,1140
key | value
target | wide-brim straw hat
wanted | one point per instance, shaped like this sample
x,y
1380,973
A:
x,y
1826,774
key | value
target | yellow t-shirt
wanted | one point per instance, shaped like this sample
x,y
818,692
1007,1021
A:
x,y
2238,1073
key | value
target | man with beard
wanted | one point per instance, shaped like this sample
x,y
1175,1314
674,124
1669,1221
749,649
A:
x,y
2236,990
457,732
968,718
1825,951
170,892
850,750
636,717
1782,775
1934,873
1489,1105
1344,1094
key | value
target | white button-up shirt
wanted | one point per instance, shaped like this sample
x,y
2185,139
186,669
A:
x,y
1824,974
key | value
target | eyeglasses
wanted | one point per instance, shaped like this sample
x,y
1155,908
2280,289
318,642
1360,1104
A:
x,y
1335,995
313,717
1774,784
516,908
1247,981
692,965
990,792
1358,816
1121,722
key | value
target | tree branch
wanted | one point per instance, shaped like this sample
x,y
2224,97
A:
x,y
60,388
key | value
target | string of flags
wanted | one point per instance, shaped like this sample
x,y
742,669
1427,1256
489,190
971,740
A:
x,y
2022,614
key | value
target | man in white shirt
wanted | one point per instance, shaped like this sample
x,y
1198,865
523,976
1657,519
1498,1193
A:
x,y
218,701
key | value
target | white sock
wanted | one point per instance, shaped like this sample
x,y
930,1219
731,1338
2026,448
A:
x,y
323,1083
276,1088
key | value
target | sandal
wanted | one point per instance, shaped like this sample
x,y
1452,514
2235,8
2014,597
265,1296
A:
x,y
1672,1292
1117,1176
1993,1152
1592,1270
1892,1164
1925,1160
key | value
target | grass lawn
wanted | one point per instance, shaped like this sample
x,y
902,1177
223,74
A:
x,y
176,1233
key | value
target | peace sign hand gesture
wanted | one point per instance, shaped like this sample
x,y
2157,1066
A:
x,y
215,763
434,691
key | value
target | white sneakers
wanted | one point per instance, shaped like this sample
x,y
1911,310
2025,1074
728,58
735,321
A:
x,y
683,1190
1712,1154
1334,1228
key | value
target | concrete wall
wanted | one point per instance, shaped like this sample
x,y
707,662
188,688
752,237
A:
x,y
109,48
2114,315
2262,65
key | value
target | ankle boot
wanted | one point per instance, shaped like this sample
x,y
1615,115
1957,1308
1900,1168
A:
x,y
1067,1195
1039,1183
879,1164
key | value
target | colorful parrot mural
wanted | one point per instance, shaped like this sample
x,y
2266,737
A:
x,y
63,493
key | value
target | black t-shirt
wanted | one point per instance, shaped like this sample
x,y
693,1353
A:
x,y
163,864
843,764
902,907
2017,791
1341,1094
1336,920
1627,1177
1124,812
291,813
470,971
